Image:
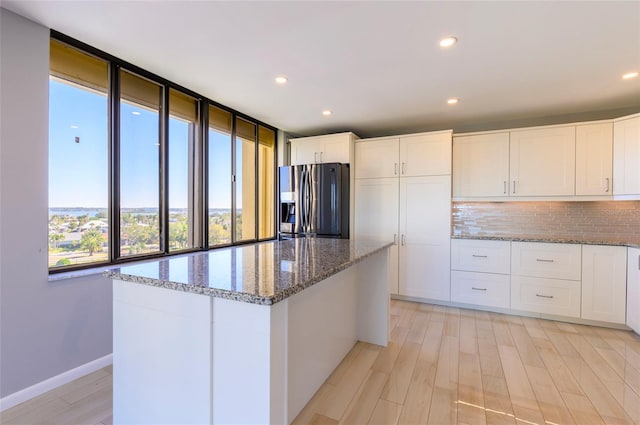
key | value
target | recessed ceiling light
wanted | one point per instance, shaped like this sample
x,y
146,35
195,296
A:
x,y
453,101
448,41
135,113
630,75
326,112
281,80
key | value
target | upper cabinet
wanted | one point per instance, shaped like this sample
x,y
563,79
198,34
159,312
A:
x,y
322,149
377,158
626,156
542,162
481,165
568,162
594,163
427,154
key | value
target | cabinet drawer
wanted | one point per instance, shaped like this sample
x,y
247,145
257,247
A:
x,y
550,296
486,289
480,256
548,260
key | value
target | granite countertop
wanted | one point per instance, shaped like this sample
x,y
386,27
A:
x,y
632,244
262,273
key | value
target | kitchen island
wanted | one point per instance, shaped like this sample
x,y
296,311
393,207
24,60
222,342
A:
x,y
243,334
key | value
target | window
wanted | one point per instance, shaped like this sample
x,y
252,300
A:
x,y
183,134
266,183
140,146
219,182
245,180
130,176
78,158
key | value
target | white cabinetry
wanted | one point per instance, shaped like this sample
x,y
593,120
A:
x,y
633,289
594,159
545,278
481,165
377,217
626,157
377,158
328,148
425,211
542,162
403,194
480,272
427,154
604,279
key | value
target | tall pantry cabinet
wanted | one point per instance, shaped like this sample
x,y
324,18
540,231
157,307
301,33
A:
x,y
403,194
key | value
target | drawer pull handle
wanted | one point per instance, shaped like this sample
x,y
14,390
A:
x,y
544,296
478,289
478,256
542,260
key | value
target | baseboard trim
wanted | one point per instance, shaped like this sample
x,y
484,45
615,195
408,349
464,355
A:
x,y
54,382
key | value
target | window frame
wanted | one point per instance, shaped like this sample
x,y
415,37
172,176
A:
x,y
199,200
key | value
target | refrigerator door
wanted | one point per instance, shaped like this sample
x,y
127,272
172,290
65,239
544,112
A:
x,y
329,188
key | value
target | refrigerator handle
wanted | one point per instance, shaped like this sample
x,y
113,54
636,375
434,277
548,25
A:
x,y
309,200
302,199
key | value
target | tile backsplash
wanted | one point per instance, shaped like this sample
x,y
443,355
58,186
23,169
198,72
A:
x,y
604,221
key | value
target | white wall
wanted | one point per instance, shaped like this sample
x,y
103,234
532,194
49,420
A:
x,y
45,328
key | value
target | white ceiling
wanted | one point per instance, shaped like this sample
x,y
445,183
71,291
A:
x,y
376,65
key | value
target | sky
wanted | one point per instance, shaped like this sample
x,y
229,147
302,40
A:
x,y
78,168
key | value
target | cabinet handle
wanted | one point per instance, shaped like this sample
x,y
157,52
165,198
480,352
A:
x,y
607,189
403,172
395,239
514,186
478,289
315,157
478,256
395,168
544,296
402,240
321,154
505,187
542,260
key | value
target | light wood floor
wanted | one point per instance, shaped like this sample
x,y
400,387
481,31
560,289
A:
x,y
442,366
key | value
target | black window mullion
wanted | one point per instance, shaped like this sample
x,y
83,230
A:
x,y
114,165
204,182
256,182
234,179
163,171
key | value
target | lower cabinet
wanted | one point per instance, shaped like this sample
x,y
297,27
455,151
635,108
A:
x,y
547,296
604,283
633,289
591,282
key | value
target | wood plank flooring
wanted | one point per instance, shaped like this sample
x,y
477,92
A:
x,y
442,366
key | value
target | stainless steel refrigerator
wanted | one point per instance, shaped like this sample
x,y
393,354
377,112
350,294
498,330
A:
x,y
314,200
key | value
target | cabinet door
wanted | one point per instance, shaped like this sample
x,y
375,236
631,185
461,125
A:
x,y
488,289
626,157
304,152
542,162
604,283
425,155
425,228
376,217
549,296
481,165
547,260
377,158
481,256
594,159
334,148
633,289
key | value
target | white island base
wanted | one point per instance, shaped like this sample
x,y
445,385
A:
x,y
185,358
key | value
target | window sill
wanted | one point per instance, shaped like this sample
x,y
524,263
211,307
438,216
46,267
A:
x,y
56,277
